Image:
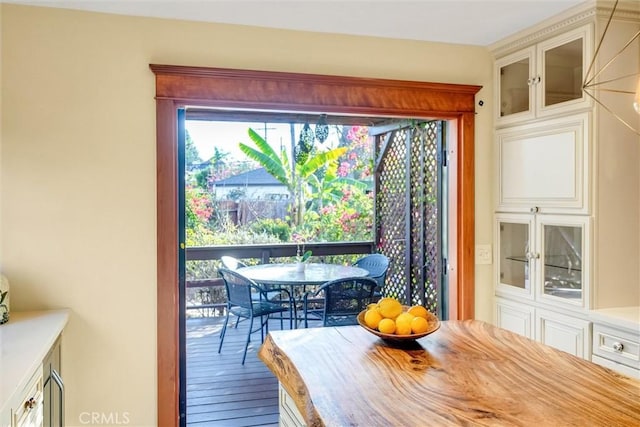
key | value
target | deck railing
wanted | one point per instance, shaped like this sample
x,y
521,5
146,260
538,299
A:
x,y
208,292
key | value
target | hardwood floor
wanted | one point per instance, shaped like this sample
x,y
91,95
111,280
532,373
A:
x,y
220,390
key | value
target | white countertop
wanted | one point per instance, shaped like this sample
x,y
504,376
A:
x,y
24,342
621,317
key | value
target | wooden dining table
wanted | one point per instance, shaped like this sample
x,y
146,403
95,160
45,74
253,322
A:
x,y
466,373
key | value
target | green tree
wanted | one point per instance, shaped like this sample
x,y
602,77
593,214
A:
x,y
296,178
327,187
191,151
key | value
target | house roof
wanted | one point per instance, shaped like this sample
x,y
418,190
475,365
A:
x,y
251,178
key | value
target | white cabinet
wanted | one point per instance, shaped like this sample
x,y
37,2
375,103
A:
x,y
27,339
544,79
616,339
289,414
566,233
28,410
542,279
543,258
532,320
515,317
566,333
544,166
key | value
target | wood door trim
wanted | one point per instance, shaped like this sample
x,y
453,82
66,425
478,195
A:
x,y
180,86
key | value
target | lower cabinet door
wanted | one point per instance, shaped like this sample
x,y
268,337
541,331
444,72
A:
x,y
565,333
53,387
514,317
289,414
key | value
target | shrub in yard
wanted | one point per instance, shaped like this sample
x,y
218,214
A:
x,y
274,227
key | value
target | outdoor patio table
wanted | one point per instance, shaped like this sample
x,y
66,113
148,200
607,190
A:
x,y
314,274
287,274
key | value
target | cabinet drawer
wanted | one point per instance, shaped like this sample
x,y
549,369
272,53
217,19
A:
x,y
29,411
617,345
618,367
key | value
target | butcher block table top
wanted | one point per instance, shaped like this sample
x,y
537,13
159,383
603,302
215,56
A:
x,y
466,373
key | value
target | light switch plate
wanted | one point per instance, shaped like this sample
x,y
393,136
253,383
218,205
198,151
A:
x,y
483,254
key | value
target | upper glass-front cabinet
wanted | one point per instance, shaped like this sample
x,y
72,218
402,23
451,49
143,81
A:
x,y
563,73
544,79
514,82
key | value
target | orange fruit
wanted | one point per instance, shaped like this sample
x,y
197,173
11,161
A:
x,y
403,324
418,310
372,318
389,308
387,326
419,325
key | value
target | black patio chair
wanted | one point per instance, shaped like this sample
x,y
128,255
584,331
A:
x,y
377,265
232,263
241,303
341,301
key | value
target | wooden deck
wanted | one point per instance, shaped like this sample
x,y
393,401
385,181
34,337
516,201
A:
x,y
220,390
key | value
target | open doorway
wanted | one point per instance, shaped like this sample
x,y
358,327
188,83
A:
x,y
178,87
376,182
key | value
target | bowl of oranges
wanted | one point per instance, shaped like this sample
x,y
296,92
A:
x,y
390,320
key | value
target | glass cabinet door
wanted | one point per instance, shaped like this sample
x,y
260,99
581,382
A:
x,y
564,259
513,78
514,89
563,72
562,66
562,267
514,272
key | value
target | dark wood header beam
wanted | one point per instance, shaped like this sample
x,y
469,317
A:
x,y
239,89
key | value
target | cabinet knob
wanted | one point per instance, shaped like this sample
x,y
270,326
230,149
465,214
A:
x,y
618,346
532,255
30,404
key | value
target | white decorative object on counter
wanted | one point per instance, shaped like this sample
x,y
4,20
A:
x,y
4,299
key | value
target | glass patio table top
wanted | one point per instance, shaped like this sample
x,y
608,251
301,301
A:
x,y
288,274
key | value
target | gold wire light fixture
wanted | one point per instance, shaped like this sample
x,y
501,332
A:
x,y
592,84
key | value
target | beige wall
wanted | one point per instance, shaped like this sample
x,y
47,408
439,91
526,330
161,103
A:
x,y
78,169
617,178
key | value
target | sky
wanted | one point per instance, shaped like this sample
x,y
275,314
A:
x,y
206,135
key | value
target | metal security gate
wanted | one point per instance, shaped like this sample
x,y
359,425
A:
x,y
410,211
